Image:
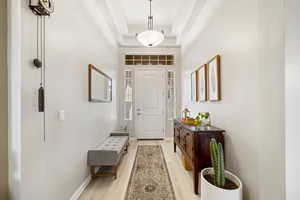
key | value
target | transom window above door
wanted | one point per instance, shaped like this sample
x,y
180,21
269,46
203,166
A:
x,y
149,60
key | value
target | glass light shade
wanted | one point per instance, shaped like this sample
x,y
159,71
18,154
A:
x,y
150,38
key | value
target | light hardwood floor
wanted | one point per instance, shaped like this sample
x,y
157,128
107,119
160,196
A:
x,y
106,188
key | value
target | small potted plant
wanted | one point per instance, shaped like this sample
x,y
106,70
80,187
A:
x,y
218,183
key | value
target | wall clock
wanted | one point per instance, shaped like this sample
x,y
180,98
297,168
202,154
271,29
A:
x,y
42,7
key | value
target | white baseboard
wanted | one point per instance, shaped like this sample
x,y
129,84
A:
x,y
132,138
169,138
78,192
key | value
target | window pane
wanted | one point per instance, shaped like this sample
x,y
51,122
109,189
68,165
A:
x,y
170,57
154,58
171,95
145,62
129,62
137,62
149,59
154,62
170,62
128,95
162,57
138,57
129,57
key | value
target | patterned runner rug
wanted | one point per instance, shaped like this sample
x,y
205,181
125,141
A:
x,y
149,177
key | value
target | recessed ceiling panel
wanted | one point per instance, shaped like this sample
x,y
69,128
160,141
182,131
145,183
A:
x,y
164,11
171,16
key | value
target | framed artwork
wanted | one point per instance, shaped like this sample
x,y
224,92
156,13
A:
x,y
202,83
214,79
194,96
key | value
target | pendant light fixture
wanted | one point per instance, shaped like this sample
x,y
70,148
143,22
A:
x,y
150,37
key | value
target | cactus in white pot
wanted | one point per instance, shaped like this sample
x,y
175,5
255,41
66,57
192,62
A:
x,y
217,160
216,182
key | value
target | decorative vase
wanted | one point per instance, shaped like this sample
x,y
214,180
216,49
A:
x,y
206,121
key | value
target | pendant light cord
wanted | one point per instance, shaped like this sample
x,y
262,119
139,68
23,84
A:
x,y
150,7
150,17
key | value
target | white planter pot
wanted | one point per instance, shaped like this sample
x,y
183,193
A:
x,y
212,192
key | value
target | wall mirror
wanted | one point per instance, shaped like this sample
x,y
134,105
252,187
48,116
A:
x,y
100,86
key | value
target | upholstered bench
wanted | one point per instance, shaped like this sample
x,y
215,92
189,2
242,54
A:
x,y
107,155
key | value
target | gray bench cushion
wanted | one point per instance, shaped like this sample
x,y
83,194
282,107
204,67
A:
x,y
113,143
109,152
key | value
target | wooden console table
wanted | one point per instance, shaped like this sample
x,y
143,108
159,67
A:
x,y
194,144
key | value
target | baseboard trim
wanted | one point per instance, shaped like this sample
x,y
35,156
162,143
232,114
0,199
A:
x,y
132,138
82,187
169,138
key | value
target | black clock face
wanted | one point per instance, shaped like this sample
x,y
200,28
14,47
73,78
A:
x,y
42,7
48,5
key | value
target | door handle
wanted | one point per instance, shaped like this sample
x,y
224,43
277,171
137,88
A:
x,y
138,113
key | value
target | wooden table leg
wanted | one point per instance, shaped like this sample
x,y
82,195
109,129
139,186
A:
x,y
126,148
196,180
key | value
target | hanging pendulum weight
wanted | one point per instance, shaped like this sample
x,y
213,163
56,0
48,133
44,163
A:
x,y
41,8
39,63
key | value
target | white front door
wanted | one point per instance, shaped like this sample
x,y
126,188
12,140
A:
x,y
149,103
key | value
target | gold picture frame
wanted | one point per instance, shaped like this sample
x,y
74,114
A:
x,y
214,78
194,86
202,84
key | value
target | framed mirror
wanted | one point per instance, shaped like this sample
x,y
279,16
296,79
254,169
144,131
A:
x,y
100,86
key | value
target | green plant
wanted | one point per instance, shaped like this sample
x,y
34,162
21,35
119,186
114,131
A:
x,y
217,159
204,115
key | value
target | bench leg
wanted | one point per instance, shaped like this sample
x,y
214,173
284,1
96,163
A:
x,y
92,170
126,148
115,169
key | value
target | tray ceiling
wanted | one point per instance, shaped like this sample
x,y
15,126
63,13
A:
x,y
172,16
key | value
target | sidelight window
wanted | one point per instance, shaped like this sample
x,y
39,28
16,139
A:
x,y
128,94
171,104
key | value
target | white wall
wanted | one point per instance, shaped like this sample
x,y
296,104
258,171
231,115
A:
x,y
292,73
14,96
77,35
249,37
271,99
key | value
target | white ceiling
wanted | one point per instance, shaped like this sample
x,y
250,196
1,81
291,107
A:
x,y
172,16
164,11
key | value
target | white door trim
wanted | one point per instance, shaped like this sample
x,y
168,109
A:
x,y
14,59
